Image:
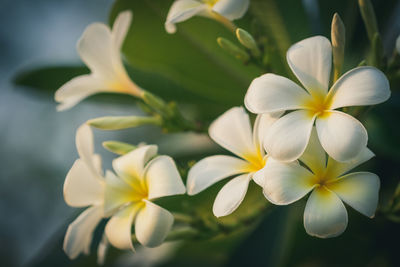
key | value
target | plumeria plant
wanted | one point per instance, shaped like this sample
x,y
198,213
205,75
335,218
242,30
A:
x,y
295,130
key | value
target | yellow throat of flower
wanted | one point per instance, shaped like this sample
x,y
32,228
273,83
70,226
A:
x,y
210,2
318,105
256,162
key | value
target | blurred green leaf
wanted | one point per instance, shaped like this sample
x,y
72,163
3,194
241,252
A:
x,y
191,58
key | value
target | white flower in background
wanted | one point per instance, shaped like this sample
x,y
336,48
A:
x,y
341,135
325,214
232,130
129,196
221,10
99,47
398,45
84,187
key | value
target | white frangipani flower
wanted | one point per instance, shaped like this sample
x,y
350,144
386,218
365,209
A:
x,y
331,185
221,10
232,130
84,186
99,47
141,180
341,135
398,44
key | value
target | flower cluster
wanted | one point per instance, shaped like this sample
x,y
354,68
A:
x,y
127,198
303,141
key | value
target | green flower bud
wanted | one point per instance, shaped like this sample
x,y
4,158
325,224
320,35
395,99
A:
x,y
338,44
247,40
233,49
122,122
119,148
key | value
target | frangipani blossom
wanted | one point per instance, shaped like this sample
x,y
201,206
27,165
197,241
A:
x,y
129,197
84,186
220,10
398,44
99,47
330,184
342,136
232,130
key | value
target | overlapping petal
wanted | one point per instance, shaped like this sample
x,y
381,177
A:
x,y
96,49
119,227
342,136
272,93
325,215
336,169
117,193
162,178
314,156
212,169
311,60
152,225
182,10
82,187
231,195
286,183
80,232
261,125
360,190
288,137
231,9
360,87
130,166
232,130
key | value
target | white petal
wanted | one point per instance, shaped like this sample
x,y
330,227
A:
x,y
77,89
212,169
130,166
231,9
119,227
360,190
182,10
232,130
231,195
288,137
262,124
82,187
85,146
162,178
102,250
152,225
342,136
360,87
97,50
311,60
398,45
272,93
121,27
336,169
325,215
314,156
80,232
286,183
259,176
117,193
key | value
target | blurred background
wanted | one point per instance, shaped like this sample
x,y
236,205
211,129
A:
x,y
37,143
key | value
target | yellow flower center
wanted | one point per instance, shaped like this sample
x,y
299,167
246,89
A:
x,y
318,105
210,2
256,162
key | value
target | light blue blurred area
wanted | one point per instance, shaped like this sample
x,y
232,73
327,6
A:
x,y
37,143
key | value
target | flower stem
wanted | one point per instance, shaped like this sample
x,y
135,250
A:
x,y
224,21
